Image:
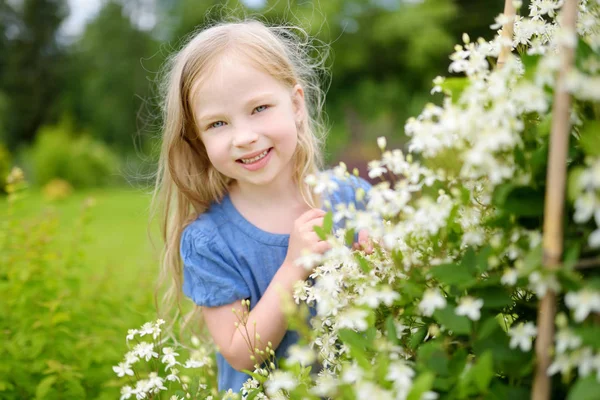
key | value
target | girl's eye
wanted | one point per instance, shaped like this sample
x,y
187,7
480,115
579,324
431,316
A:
x,y
216,124
260,108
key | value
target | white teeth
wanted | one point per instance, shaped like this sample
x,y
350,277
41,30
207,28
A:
x,y
254,159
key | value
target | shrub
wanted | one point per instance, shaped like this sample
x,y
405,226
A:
x,y
58,152
445,307
5,163
60,321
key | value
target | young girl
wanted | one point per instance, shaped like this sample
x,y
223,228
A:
x,y
242,132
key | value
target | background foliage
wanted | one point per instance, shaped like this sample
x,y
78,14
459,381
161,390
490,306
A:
x,y
77,273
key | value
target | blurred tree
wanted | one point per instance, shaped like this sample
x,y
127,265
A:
x,y
114,65
31,65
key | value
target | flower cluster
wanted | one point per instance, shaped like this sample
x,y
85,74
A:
x,y
165,374
444,304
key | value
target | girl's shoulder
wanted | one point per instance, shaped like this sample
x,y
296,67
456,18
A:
x,y
205,228
345,187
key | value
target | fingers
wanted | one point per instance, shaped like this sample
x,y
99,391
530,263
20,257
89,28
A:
x,y
321,247
310,214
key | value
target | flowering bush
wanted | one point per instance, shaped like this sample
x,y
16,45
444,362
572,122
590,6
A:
x,y
445,306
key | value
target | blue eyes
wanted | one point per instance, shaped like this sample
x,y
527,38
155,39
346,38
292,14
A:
x,y
260,108
219,124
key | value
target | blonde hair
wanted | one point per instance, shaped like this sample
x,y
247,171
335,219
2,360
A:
x,y
186,182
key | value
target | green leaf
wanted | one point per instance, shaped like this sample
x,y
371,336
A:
x,y
417,337
494,297
321,233
488,327
355,340
589,335
349,237
358,345
530,63
456,323
44,386
590,138
454,87
524,201
433,356
499,391
422,384
390,327
483,371
328,222
585,389
574,188
452,274
363,263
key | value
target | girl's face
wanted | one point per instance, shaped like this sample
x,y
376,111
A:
x,y
248,122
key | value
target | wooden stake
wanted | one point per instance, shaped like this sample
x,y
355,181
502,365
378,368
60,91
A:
x,y
507,32
554,204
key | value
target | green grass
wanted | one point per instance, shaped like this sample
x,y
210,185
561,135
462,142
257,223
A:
x,y
116,232
116,265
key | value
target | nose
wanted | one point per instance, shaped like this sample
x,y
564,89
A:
x,y
244,136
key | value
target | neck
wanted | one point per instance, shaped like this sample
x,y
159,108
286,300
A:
x,y
280,193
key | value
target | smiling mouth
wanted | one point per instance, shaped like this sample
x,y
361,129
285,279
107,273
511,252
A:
x,y
254,159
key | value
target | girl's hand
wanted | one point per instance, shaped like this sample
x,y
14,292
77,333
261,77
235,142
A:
x,y
304,238
364,243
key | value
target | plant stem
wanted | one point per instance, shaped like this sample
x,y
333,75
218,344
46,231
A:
x,y
507,32
554,204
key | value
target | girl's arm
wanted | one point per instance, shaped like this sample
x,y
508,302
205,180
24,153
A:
x,y
267,314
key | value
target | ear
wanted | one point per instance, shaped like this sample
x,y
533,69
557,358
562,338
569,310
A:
x,y
298,103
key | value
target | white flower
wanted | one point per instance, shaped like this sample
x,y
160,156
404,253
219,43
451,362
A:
x,y
509,277
126,392
146,329
309,260
401,374
302,355
583,302
131,357
376,169
279,380
522,335
540,284
352,373
562,363
372,297
169,356
594,239
432,300
354,318
145,350
585,361
131,334
123,369
381,142
156,382
471,307
194,363
566,339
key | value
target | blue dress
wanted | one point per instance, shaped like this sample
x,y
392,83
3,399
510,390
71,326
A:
x,y
226,258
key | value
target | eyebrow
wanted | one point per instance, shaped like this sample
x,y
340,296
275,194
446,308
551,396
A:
x,y
253,100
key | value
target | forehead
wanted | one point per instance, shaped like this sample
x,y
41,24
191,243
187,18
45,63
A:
x,y
230,80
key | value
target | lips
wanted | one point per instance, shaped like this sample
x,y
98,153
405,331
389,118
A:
x,y
254,157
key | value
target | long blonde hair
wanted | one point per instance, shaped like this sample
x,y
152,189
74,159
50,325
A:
x,y
186,182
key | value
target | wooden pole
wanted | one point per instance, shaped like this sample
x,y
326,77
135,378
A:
x,y
554,204
507,32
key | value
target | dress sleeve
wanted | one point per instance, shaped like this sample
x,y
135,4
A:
x,y
208,278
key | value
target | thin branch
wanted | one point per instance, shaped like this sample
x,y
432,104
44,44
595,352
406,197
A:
x,y
554,204
588,263
507,32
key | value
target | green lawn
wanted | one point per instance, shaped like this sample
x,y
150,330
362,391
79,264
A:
x,y
116,269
